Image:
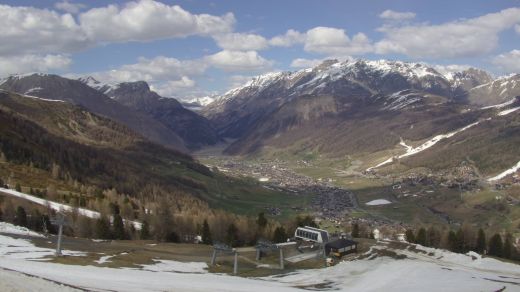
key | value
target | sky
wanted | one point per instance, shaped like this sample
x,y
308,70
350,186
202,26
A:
x,y
194,48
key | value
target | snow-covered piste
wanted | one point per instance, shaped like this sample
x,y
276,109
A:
x,y
59,206
428,144
23,267
506,172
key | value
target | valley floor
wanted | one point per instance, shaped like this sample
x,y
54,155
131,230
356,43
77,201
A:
x,y
388,266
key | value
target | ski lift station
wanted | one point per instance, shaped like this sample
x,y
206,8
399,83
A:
x,y
312,234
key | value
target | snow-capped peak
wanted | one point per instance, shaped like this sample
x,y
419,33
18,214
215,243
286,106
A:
x,y
257,83
98,85
202,101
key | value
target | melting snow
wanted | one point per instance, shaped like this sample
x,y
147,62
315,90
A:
x,y
501,105
59,206
428,144
506,172
378,202
508,111
22,249
436,270
104,259
45,99
176,267
20,230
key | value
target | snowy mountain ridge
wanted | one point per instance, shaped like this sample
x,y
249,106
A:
x,y
378,77
104,88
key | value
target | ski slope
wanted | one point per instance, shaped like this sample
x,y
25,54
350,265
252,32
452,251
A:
x,y
428,270
59,207
506,172
426,145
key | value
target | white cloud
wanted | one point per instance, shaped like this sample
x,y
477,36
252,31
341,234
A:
x,y
334,41
239,80
463,38
184,82
241,42
517,28
148,20
27,30
396,16
508,62
67,6
33,63
176,88
238,61
157,69
305,63
290,38
452,68
175,78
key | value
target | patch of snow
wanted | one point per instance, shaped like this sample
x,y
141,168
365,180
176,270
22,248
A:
x,y
98,240
45,99
176,267
257,83
378,202
61,207
508,111
104,88
15,281
501,105
428,144
402,99
104,259
202,101
506,172
408,147
19,230
17,248
437,270
35,89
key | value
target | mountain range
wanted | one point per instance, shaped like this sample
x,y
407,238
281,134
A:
x,y
161,120
365,109
372,112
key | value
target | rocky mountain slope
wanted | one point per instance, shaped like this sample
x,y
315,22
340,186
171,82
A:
x,y
54,87
195,130
98,152
360,108
496,91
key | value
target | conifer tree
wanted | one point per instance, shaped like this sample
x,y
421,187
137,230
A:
x,y
18,187
410,237
355,230
21,217
102,229
452,241
232,235
145,231
461,244
119,228
279,235
421,236
261,221
434,237
206,233
495,245
480,245
306,221
507,251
